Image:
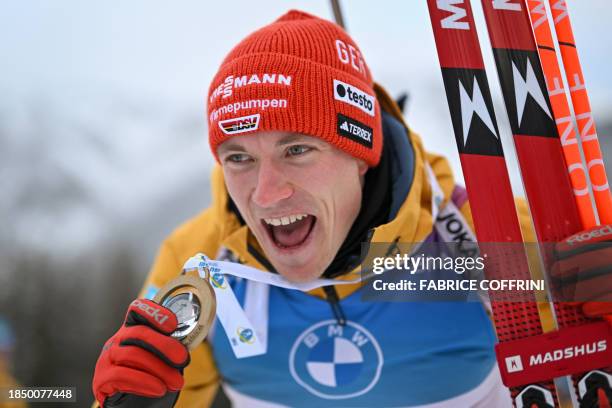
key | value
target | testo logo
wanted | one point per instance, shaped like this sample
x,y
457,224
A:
x,y
354,96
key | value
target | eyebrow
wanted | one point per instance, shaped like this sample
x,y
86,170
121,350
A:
x,y
233,147
292,138
286,140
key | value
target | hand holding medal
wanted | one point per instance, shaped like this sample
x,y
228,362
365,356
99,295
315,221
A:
x,y
192,299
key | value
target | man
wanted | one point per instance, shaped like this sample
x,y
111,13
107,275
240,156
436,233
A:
x,y
314,160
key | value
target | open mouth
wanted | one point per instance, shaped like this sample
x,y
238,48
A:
x,y
290,231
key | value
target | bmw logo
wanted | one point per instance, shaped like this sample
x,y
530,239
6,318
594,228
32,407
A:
x,y
336,362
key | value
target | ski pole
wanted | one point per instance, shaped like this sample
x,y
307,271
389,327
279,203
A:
x,y
487,181
582,109
561,110
338,13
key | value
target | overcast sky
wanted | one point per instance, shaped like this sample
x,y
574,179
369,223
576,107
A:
x,y
155,50
173,48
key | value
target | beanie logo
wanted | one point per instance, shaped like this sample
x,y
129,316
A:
x,y
354,96
349,55
354,130
226,88
251,104
240,125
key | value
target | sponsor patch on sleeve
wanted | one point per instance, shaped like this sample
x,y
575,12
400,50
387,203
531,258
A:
x,y
354,130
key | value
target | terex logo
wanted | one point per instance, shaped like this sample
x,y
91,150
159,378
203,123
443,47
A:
x,y
152,311
568,352
354,96
587,235
354,130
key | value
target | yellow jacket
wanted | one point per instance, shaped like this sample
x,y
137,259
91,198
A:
x,y
7,381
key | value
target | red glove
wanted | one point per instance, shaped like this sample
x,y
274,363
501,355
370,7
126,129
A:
x,y
141,365
583,270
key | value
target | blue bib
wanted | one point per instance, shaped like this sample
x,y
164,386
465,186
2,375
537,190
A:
x,y
388,353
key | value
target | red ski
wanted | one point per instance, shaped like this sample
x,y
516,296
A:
x,y
528,359
550,195
486,177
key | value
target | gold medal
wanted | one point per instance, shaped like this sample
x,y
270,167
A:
x,y
193,301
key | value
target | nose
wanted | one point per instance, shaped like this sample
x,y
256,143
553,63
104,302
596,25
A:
x,y
272,185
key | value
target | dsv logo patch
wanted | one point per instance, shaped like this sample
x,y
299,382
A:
x,y
336,362
240,125
354,96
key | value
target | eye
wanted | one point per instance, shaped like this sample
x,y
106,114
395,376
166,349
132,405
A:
x,y
237,158
298,150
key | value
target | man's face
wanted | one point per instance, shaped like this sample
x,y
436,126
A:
x,y
298,194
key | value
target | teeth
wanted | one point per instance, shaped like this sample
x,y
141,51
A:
x,y
290,219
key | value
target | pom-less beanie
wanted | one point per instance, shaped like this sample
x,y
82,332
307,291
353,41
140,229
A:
x,y
299,74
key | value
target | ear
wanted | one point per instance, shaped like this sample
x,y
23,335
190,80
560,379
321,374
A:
x,y
362,166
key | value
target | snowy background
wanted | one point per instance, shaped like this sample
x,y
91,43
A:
x,y
103,145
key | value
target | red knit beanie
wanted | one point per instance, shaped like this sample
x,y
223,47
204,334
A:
x,y
299,74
